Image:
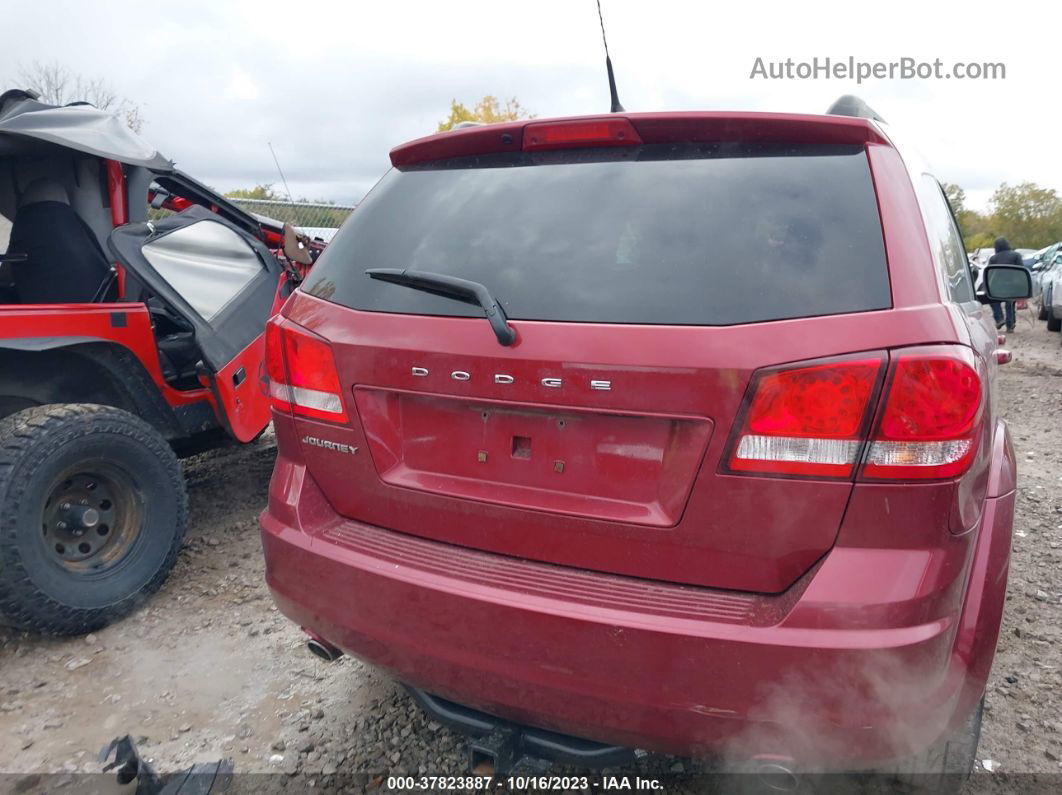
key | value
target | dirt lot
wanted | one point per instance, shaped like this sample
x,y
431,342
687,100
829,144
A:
x,y
210,669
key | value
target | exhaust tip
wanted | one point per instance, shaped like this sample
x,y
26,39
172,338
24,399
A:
x,y
777,777
325,651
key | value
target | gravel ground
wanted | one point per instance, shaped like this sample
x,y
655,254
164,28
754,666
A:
x,y
210,669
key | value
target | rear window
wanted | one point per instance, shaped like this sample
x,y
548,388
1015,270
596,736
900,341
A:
x,y
685,235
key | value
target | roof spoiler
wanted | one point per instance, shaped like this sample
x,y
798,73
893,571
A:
x,y
653,128
851,105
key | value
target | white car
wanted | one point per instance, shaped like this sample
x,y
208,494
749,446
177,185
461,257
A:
x,y
1045,275
1051,295
1037,265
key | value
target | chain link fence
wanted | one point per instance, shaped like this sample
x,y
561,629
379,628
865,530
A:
x,y
316,219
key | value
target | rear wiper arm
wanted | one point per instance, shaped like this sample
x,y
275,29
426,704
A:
x,y
462,290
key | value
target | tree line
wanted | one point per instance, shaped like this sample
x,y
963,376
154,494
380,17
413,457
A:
x,y
1027,215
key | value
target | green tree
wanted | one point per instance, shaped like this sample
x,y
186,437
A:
x,y
979,240
975,228
1027,215
488,111
264,191
972,224
956,197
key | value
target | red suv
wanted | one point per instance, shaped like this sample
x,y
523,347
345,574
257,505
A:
x,y
669,431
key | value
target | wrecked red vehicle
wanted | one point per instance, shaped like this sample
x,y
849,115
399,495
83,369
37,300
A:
x,y
128,333
665,431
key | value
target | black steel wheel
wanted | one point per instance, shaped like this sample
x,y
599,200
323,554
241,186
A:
x,y
92,517
92,514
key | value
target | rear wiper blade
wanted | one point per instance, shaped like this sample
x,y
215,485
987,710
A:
x,y
462,290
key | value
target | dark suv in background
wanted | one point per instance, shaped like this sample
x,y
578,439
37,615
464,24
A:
x,y
672,431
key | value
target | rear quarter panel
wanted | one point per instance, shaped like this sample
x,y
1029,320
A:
x,y
128,325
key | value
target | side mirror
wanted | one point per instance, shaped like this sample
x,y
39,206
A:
x,y
1007,283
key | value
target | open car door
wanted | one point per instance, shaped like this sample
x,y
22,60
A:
x,y
223,283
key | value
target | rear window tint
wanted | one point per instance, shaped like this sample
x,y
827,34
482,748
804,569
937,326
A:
x,y
685,235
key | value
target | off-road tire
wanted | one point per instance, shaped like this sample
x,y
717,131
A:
x,y
1053,323
38,445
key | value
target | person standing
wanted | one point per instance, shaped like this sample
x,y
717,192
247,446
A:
x,y
1004,255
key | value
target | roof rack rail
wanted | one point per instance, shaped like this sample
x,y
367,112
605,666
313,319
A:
x,y
851,105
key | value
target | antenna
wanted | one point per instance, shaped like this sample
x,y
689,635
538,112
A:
x,y
281,172
616,106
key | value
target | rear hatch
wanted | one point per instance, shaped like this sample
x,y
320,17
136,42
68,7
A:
x,y
646,284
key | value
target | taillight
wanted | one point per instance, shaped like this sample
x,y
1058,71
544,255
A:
x,y
931,420
580,132
808,420
302,372
279,391
815,420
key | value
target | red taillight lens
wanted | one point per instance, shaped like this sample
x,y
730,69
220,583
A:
x,y
829,400
279,391
814,420
302,373
931,421
580,132
807,420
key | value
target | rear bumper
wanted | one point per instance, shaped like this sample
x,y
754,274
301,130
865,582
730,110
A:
x,y
871,656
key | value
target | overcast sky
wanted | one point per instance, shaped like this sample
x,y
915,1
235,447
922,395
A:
x,y
334,86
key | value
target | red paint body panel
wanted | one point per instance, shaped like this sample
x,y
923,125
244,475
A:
x,y
93,323
647,602
699,372
890,626
601,465
245,412
910,261
242,388
117,195
1004,475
